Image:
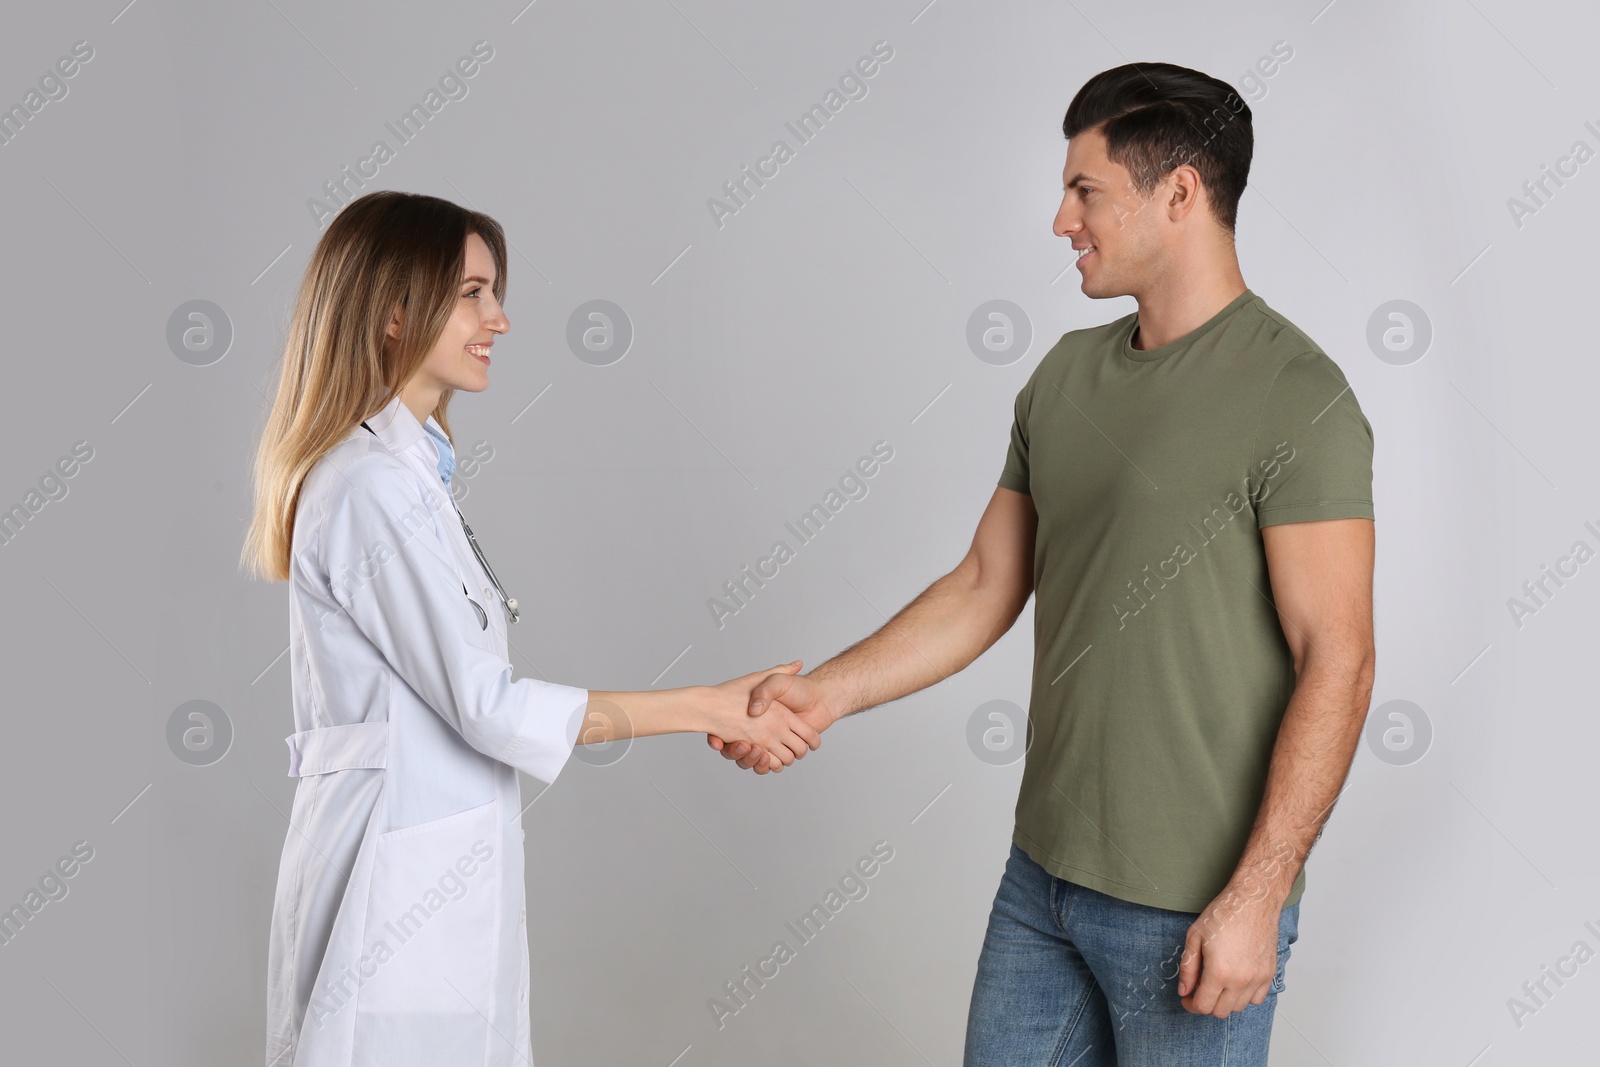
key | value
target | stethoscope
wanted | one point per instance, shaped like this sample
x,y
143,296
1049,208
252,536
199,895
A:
x,y
509,602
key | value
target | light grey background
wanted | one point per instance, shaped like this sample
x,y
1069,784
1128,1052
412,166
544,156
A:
x,y
769,354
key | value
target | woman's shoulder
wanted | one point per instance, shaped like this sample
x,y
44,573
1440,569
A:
x,y
358,467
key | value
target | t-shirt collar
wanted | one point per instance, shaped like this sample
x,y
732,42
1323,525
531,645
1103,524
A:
x,y
1173,347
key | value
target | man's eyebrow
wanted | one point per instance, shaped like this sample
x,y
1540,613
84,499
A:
x,y
1080,177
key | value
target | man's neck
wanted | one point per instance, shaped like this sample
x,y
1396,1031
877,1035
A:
x,y
1172,311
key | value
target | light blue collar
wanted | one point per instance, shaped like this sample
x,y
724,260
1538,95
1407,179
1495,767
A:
x,y
447,454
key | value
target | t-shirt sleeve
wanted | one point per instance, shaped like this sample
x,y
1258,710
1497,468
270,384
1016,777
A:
x,y
1014,475
1313,447
397,582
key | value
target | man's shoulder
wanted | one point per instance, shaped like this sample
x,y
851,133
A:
x,y
1261,352
1276,341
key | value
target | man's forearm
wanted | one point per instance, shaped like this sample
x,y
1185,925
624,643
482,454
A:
x,y
1310,760
950,624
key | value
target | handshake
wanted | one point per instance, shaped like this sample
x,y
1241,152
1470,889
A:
x,y
767,720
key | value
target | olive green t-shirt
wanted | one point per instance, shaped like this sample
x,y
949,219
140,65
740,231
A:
x,y
1161,672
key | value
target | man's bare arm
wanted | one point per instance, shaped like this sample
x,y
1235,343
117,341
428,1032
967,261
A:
x,y
950,624
1321,575
1322,585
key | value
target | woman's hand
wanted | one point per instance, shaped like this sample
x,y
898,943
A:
x,y
801,694
782,736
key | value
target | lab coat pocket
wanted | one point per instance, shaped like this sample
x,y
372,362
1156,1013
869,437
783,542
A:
x,y
433,915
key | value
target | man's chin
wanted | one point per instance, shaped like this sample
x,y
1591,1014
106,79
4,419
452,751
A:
x,y
1100,289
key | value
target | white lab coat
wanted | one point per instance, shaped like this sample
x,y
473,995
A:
x,y
398,929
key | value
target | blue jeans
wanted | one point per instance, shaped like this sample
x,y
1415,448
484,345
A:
x,y
1070,977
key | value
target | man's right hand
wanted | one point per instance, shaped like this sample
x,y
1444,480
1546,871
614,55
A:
x,y
804,696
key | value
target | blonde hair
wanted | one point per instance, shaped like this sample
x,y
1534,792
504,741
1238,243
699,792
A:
x,y
385,251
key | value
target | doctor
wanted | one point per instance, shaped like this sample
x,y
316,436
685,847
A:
x,y
398,933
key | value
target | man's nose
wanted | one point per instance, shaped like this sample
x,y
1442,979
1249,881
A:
x,y
1066,221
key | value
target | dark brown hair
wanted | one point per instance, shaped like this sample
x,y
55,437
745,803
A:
x,y
1157,116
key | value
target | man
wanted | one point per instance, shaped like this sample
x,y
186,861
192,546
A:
x,y
1188,492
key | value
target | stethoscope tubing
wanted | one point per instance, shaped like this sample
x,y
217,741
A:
x,y
508,602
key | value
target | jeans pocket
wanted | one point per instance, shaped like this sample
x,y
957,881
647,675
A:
x,y
1283,962
1288,934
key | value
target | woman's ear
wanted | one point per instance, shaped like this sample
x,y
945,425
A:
x,y
396,323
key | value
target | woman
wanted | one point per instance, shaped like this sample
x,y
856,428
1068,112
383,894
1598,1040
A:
x,y
398,929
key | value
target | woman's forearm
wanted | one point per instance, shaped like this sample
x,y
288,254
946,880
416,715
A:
x,y
701,709
612,716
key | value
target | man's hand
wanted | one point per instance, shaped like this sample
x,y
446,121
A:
x,y
774,744
805,697
1230,956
